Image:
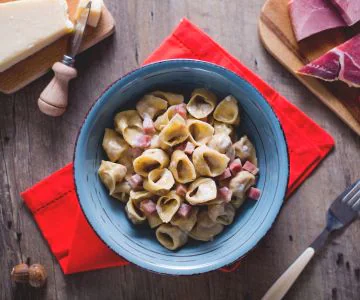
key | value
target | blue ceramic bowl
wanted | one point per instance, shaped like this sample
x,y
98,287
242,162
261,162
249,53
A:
x,y
138,244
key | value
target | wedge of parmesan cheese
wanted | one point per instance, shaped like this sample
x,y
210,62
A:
x,y
26,26
95,11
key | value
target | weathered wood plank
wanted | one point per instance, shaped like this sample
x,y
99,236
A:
x,y
33,145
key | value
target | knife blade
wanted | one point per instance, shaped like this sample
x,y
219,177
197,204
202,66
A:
x,y
77,36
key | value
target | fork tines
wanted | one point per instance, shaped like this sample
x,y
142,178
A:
x,y
352,198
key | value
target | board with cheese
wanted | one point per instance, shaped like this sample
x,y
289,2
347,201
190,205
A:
x,y
36,48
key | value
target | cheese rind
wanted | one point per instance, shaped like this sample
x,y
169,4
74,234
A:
x,y
95,11
26,26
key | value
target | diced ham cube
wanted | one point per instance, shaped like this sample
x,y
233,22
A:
x,y
189,148
226,174
184,210
225,194
254,193
235,166
181,147
181,110
136,152
148,207
135,181
143,141
248,166
148,125
181,190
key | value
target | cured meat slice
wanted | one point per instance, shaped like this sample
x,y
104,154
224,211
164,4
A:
x,y
340,63
312,16
349,10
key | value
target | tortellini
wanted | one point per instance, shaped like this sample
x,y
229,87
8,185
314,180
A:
x,y
227,111
159,181
201,191
114,145
209,162
151,105
171,237
168,205
245,150
174,165
181,167
205,229
129,124
151,159
239,186
175,132
111,174
200,132
201,104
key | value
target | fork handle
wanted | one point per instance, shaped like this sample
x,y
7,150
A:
x,y
287,279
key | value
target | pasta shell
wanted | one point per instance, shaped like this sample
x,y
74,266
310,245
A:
x,y
199,132
205,229
139,196
220,142
201,191
227,111
222,128
113,145
122,191
171,98
222,213
151,105
181,167
111,174
175,132
186,224
149,160
209,162
201,104
171,237
126,159
134,213
165,118
239,186
245,150
159,181
168,205
129,124
154,220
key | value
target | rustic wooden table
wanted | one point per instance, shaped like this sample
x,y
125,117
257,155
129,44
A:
x,y
33,145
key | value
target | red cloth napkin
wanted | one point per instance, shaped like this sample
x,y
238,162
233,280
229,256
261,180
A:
x,y
53,201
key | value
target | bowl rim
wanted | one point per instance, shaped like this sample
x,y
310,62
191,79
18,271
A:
x,y
164,270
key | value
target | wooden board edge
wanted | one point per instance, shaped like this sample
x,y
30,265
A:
x,y
314,85
109,31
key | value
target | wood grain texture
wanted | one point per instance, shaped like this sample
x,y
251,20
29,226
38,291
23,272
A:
x,y
33,145
278,38
36,65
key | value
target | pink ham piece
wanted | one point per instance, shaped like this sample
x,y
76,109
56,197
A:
x,y
189,148
226,174
225,194
235,166
184,210
148,125
148,207
181,110
181,147
254,193
312,16
142,141
341,63
135,152
248,166
135,181
349,10
181,190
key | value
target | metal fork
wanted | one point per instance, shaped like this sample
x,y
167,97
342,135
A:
x,y
341,213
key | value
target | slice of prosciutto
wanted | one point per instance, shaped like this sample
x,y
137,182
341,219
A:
x,y
340,63
349,10
313,16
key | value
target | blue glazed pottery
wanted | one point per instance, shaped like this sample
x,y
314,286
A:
x,y
138,244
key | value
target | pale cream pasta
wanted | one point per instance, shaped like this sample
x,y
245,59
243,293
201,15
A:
x,y
209,162
159,181
200,133
151,106
223,213
114,145
171,237
227,111
201,104
245,150
205,229
175,132
151,159
129,124
168,205
181,167
111,174
171,98
134,213
239,186
186,223
201,191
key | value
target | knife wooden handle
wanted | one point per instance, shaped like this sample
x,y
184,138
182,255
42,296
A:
x,y
54,98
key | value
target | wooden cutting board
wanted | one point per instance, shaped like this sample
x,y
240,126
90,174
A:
x,y
276,33
35,66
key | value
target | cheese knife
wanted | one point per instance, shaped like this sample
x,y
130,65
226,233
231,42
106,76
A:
x,y
54,98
